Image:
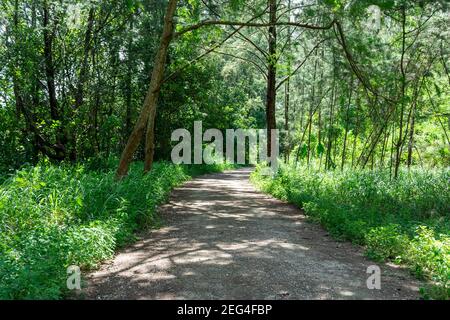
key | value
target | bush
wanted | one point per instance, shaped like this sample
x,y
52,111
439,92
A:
x,y
52,217
428,255
386,243
405,220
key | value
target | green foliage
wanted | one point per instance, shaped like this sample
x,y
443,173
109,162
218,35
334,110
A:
x,y
430,255
386,243
102,55
52,217
404,220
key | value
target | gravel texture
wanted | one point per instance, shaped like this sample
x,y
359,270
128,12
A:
x,y
223,239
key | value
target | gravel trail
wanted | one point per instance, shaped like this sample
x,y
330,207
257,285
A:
x,y
223,239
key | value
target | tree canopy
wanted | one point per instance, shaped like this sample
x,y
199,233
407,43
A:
x,y
351,83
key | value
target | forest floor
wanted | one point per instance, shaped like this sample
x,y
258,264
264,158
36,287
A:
x,y
223,239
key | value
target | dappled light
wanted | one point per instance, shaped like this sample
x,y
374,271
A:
x,y
221,239
329,120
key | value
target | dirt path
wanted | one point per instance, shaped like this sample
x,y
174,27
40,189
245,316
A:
x,y
224,240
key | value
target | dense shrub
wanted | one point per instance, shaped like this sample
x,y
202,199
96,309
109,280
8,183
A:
x,y
405,220
52,217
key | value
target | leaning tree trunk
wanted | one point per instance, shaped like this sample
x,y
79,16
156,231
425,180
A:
x,y
150,142
151,99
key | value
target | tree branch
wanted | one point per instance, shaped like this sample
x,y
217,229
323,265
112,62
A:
x,y
301,64
249,24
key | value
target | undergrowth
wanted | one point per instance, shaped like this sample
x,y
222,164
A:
x,y
52,217
406,220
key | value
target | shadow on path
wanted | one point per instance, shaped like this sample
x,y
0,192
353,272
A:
x,y
224,240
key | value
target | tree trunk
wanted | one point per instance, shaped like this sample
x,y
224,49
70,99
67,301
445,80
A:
x,y
313,98
328,160
286,119
49,66
150,142
151,99
287,92
129,86
319,148
347,119
79,96
357,129
271,76
60,150
411,138
391,163
82,79
403,92
383,150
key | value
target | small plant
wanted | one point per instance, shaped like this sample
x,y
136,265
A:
x,y
386,243
429,256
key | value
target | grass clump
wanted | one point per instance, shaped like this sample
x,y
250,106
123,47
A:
x,y
405,220
52,217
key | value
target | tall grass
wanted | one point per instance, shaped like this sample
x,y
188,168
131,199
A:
x,y
52,217
405,220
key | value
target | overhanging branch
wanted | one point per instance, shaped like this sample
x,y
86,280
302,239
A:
x,y
250,24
